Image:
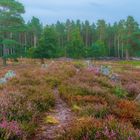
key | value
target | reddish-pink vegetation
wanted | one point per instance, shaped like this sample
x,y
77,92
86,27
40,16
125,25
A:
x,y
104,109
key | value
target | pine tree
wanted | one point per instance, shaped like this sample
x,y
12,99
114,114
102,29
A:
x,y
10,21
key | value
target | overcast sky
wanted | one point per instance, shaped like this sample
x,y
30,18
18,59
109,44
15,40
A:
x,y
49,11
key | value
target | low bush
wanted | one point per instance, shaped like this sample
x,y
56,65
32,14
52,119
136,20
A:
x,y
97,129
22,100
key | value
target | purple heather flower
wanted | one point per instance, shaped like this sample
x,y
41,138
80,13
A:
x,y
130,138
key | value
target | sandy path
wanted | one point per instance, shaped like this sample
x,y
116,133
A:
x,y
62,113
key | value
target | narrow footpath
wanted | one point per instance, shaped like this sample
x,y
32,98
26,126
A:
x,y
62,113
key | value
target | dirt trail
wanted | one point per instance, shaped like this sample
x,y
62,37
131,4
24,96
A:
x,y
62,113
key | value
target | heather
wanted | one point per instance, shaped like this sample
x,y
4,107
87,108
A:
x,y
23,99
73,97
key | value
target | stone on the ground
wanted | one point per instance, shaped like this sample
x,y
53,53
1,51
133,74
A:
x,y
44,66
106,70
3,80
114,77
88,62
10,74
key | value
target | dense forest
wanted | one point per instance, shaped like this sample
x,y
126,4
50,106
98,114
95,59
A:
x,y
73,39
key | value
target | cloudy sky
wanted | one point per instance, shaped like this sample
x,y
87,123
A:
x,y
49,11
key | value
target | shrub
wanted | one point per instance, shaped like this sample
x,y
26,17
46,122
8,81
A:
x,y
109,129
23,100
133,89
101,111
127,110
53,81
79,64
10,129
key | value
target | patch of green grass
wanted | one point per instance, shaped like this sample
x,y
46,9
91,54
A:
x,y
133,63
119,92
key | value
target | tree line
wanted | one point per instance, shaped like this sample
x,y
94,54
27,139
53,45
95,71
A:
x,y
74,39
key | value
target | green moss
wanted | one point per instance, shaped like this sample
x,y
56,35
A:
x,y
76,108
51,120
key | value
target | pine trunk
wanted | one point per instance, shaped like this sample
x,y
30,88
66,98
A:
x,y
118,47
127,54
35,41
4,56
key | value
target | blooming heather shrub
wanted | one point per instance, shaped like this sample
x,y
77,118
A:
x,y
10,129
94,70
22,100
90,78
23,110
13,108
11,111
97,129
133,89
132,76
